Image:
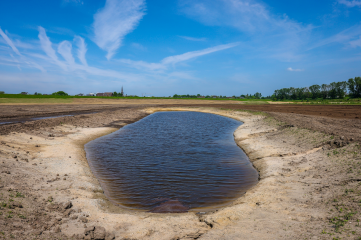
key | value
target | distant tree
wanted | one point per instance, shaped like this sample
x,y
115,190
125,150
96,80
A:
x,y
315,91
60,93
198,95
258,95
325,90
354,87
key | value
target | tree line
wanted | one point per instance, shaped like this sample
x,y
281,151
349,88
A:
x,y
334,90
257,95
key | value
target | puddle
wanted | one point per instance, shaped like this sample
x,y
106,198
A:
x,y
172,162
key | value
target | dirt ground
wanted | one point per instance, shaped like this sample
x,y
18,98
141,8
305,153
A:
x,y
309,167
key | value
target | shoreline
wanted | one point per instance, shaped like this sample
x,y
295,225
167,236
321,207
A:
x,y
275,151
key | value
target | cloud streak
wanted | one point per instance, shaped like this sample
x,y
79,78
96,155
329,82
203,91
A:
x,y
176,59
64,49
352,3
194,54
348,36
79,41
9,42
294,70
114,21
285,37
48,49
194,39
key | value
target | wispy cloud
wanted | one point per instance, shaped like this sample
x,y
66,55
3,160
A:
x,y
194,54
9,42
294,70
64,49
22,59
285,37
80,43
138,46
352,3
48,49
245,15
345,37
114,21
142,65
176,59
356,43
194,39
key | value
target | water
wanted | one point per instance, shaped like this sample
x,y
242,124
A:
x,y
172,162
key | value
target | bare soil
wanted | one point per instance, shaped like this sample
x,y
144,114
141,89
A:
x,y
332,111
309,167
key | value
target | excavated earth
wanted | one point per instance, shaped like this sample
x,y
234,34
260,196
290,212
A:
x,y
309,185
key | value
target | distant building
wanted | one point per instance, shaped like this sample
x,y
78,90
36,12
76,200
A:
x,y
106,94
214,96
80,94
201,97
91,94
24,93
122,92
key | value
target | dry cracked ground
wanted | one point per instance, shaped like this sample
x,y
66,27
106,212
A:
x,y
309,187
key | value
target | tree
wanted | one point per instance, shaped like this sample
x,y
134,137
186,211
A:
x,y
315,91
258,95
324,90
354,86
60,93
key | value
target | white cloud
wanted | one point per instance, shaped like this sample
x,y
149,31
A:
x,y
22,59
194,54
64,48
194,39
9,42
356,43
142,65
48,49
79,41
245,15
285,37
352,3
175,59
294,70
114,21
345,37
138,46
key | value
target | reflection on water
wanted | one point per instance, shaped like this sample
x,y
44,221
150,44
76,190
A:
x,y
186,159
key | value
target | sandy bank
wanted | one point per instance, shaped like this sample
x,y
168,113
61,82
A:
x,y
51,171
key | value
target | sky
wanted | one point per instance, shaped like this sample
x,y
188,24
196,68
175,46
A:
x,y
167,47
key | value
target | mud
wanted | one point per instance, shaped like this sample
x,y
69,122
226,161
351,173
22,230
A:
x,y
308,189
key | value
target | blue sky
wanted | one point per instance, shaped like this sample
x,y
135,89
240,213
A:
x,y
165,47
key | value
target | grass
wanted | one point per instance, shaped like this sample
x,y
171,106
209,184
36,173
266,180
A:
x,y
35,100
20,96
344,101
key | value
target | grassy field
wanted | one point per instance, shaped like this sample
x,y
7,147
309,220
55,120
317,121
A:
x,y
346,101
28,97
36,100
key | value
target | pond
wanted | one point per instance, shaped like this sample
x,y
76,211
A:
x,y
172,162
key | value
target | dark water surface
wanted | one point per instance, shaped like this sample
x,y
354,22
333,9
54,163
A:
x,y
187,159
